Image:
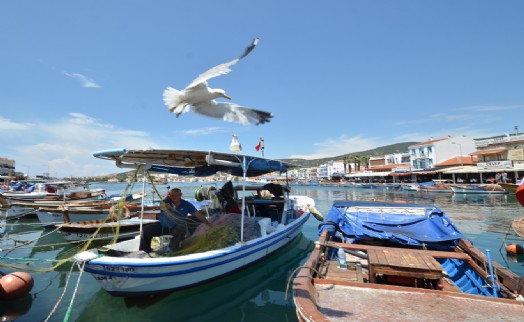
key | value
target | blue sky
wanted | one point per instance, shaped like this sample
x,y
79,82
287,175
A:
x,y
344,76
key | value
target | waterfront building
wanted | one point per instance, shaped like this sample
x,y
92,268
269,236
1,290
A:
x,y
500,154
331,170
426,155
7,167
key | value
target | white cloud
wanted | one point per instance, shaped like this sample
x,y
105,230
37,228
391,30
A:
x,y
341,145
8,125
205,131
65,148
492,108
84,80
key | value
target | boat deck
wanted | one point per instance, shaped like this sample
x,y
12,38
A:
x,y
353,302
344,295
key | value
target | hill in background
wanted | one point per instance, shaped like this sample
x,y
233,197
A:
x,y
376,152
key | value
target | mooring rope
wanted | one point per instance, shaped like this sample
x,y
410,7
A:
x,y
293,274
62,295
70,308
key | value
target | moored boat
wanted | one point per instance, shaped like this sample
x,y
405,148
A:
x,y
46,195
436,187
264,226
56,215
478,188
401,262
103,230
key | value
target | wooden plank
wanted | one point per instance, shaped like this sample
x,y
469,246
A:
x,y
434,253
360,276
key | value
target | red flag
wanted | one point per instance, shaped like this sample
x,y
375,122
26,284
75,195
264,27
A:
x,y
258,146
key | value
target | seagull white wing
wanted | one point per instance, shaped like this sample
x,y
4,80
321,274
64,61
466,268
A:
x,y
222,68
232,112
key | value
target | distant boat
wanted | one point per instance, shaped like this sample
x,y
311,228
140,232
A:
x,y
434,187
478,189
401,262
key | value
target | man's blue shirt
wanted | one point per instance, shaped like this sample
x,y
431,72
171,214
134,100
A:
x,y
181,212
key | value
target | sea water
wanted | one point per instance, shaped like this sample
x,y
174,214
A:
x,y
254,294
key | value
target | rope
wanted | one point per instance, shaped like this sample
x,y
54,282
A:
x,y
62,295
292,275
70,308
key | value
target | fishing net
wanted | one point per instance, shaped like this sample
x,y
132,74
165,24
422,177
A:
x,y
225,232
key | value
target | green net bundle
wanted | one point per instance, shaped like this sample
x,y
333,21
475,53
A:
x,y
225,232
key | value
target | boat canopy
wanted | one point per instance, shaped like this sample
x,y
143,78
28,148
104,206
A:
x,y
193,163
404,224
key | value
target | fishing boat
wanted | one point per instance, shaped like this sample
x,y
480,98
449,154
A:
x,y
401,262
21,204
103,230
436,187
264,225
51,216
492,189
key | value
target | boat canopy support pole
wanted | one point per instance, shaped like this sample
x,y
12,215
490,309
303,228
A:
x,y
493,285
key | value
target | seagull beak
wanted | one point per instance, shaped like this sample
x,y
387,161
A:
x,y
227,96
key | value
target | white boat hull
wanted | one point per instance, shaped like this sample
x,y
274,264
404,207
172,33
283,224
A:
x,y
124,276
457,190
128,228
54,218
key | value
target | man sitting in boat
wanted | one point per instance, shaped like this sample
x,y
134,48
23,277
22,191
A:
x,y
173,220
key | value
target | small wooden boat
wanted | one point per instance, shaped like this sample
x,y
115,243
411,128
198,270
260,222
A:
x,y
395,267
435,187
50,216
23,207
478,188
103,230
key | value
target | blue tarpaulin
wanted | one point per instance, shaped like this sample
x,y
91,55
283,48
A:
x,y
404,224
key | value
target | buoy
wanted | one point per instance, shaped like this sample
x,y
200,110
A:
x,y
15,285
515,249
317,214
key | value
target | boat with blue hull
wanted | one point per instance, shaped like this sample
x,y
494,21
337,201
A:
x,y
269,219
403,262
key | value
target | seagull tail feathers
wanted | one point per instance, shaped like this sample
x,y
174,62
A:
x,y
173,99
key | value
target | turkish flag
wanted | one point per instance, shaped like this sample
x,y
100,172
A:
x,y
258,146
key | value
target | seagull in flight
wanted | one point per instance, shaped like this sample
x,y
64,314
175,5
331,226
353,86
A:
x,y
202,98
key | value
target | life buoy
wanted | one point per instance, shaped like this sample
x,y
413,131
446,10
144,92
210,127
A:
x,y
114,215
4,187
15,285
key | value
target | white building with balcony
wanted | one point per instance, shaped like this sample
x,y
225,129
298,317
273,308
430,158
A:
x,y
330,170
501,153
426,155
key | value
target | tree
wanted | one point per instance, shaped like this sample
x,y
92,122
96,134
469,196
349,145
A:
x,y
356,162
346,163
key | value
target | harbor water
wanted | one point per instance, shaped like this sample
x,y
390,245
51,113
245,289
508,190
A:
x,y
61,292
